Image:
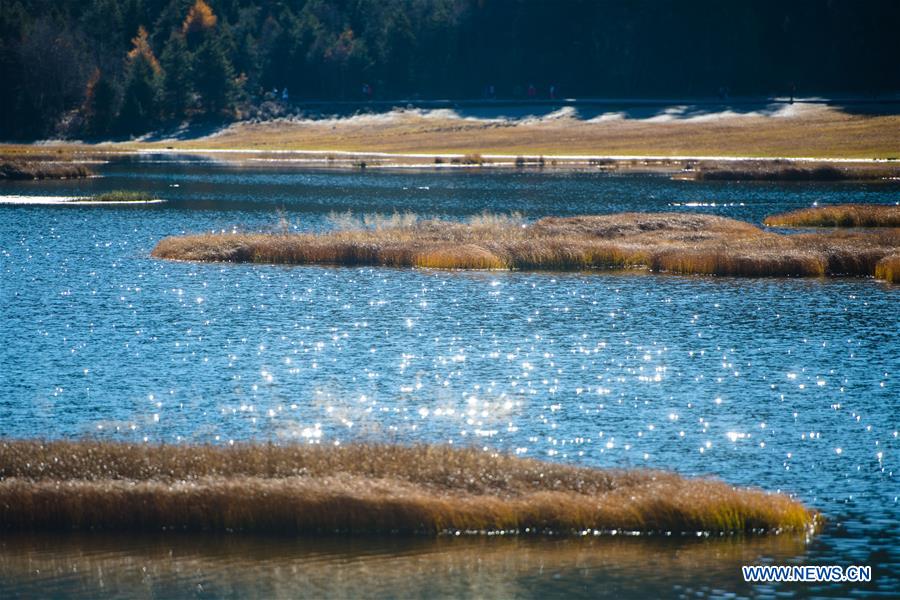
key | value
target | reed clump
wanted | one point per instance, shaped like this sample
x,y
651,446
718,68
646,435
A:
x,y
25,170
888,268
359,488
839,215
662,242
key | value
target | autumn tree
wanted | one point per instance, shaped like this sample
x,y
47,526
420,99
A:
x,y
143,79
199,20
213,76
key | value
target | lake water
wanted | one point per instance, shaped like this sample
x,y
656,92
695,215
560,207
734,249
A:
x,y
790,385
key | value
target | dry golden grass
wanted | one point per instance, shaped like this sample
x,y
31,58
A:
x,y
359,489
839,215
811,131
805,131
663,242
888,268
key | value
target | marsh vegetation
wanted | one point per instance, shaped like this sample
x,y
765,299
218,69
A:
x,y
661,242
360,488
16,169
839,215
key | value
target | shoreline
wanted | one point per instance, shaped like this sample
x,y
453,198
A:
x,y
679,132
503,159
681,167
20,200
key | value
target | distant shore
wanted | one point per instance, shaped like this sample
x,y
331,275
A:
x,y
671,138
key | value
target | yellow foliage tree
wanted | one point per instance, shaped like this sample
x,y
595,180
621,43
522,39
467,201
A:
x,y
140,48
199,18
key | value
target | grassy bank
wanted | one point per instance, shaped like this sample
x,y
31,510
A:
x,y
839,215
358,489
782,170
42,169
662,242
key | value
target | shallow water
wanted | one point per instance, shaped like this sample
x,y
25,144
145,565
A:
x,y
791,385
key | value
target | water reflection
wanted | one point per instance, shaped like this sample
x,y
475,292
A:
x,y
86,566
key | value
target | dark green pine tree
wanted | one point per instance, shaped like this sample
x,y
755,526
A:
x,y
143,78
214,76
177,88
102,103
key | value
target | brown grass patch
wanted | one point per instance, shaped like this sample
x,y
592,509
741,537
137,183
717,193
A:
x,y
663,242
839,215
359,489
25,170
787,171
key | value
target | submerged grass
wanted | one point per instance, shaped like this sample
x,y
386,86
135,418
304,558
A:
x,y
359,488
663,242
839,215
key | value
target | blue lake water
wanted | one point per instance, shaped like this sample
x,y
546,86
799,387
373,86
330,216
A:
x,y
790,385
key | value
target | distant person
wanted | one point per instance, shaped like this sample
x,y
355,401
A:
x,y
532,91
793,91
